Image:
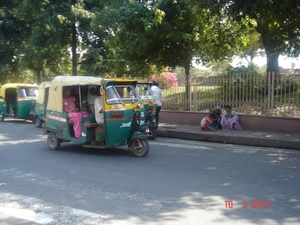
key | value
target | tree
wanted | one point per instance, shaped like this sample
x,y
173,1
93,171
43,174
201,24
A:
x,y
171,33
87,43
277,21
127,42
45,39
254,46
12,31
47,32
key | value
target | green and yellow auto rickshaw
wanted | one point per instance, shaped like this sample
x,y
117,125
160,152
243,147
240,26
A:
x,y
144,90
17,99
38,112
123,114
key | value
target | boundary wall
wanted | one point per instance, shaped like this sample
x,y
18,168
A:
x,y
249,122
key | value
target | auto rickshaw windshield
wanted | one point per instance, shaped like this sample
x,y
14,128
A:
x,y
28,92
121,93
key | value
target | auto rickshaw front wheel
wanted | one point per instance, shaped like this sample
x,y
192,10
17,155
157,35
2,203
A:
x,y
53,141
140,147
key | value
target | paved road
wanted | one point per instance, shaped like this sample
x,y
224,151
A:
x,y
179,182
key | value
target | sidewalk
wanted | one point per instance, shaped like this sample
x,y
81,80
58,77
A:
x,y
240,137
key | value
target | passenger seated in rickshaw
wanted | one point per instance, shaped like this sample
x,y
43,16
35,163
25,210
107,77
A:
x,y
91,98
72,111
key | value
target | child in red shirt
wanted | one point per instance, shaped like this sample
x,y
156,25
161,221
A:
x,y
207,121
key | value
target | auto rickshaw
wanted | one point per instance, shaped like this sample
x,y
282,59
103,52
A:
x,y
144,90
123,115
16,100
38,112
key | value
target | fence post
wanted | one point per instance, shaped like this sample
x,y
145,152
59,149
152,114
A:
x,y
271,84
272,94
194,83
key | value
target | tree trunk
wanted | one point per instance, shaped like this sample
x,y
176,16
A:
x,y
272,72
273,68
187,63
272,62
270,44
74,45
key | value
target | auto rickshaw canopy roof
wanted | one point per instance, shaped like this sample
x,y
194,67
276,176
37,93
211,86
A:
x,y
56,90
14,85
61,81
41,95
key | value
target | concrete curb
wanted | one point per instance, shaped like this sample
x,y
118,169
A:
x,y
251,138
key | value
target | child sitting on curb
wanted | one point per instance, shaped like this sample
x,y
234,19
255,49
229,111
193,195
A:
x,y
230,120
207,121
217,122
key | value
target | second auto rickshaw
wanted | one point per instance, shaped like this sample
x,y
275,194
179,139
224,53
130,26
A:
x,y
16,100
38,112
144,90
123,114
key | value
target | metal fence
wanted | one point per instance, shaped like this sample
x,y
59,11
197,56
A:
x,y
269,95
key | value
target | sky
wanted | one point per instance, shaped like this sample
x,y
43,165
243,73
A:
x,y
284,62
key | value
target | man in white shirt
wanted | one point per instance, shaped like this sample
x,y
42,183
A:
x,y
98,105
157,95
98,109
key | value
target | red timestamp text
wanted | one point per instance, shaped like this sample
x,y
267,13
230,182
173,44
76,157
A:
x,y
254,204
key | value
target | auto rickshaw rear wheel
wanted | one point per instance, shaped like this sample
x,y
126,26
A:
x,y
53,141
2,116
38,121
140,147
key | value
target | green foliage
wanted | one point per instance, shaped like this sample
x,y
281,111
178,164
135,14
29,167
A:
x,y
140,38
46,34
278,25
168,33
254,46
250,69
11,30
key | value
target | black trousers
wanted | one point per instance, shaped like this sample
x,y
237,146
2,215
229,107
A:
x,y
158,108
